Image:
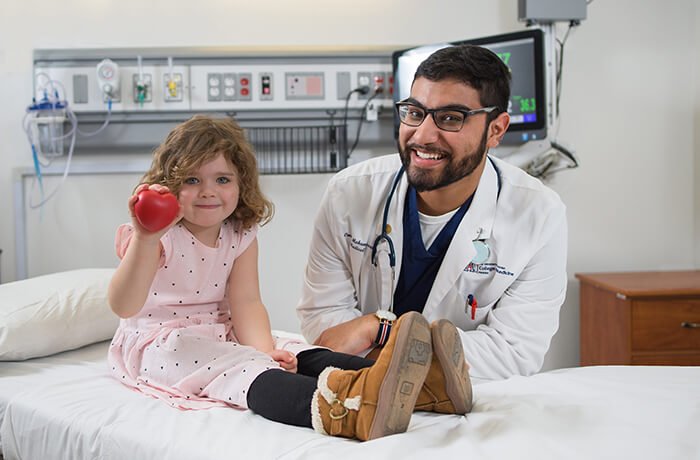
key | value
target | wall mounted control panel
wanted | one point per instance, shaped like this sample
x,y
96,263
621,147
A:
x,y
213,80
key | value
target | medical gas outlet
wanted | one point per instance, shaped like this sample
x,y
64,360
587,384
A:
x,y
108,80
143,85
172,87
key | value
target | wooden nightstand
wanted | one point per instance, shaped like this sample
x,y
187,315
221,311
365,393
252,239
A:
x,y
650,318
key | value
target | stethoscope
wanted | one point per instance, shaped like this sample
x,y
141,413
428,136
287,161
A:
x,y
384,245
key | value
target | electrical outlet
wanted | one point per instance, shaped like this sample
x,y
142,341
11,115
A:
x,y
379,85
214,87
244,86
364,79
230,91
389,85
372,112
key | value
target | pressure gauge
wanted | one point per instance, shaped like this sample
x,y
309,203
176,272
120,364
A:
x,y
108,79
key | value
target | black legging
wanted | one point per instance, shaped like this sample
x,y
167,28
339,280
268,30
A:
x,y
286,397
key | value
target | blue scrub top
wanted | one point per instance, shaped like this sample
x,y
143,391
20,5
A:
x,y
419,266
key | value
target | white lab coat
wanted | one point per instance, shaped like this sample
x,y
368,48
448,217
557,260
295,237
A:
x,y
519,289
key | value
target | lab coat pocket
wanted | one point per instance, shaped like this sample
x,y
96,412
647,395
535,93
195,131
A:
x,y
477,303
377,284
477,297
476,312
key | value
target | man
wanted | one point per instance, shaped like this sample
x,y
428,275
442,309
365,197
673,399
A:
x,y
475,240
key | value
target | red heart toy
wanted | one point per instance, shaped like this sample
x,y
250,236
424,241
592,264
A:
x,y
154,210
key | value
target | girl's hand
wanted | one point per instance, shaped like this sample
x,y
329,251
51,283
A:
x,y
138,228
285,359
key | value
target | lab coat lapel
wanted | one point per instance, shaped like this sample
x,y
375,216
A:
x,y
477,223
396,222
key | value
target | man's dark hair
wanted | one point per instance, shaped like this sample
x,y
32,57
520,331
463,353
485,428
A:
x,y
478,67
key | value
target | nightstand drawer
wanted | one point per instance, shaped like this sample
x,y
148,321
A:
x,y
658,325
673,358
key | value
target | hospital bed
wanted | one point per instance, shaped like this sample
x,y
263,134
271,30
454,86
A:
x,y
64,405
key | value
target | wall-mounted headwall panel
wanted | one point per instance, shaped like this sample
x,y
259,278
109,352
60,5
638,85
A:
x,y
215,80
300,109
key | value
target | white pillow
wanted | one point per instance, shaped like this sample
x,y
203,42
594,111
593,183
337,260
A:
x,y
52,313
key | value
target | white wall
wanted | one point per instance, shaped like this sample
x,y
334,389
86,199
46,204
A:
x,y
630,107
628,110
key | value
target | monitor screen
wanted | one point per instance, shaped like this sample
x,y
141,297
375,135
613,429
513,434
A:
x,y
522,52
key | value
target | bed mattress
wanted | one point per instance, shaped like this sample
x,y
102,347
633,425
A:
x,y
67,407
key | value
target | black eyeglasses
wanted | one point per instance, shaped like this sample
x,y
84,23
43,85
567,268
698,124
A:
x,y
412,114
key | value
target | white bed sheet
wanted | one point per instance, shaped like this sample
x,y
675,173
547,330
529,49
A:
x,y
68,407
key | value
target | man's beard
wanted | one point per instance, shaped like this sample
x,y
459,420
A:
x,y
424,181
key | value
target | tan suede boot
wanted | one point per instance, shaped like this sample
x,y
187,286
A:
x,y
447,388
378,400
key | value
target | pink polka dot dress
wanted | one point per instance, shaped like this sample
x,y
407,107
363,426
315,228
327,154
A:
x,y
180,347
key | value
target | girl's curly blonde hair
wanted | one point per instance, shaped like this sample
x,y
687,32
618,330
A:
x,y
199,140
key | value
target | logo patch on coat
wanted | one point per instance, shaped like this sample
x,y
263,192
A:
x,y
487,268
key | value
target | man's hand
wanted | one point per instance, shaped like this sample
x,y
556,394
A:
x,y
352,337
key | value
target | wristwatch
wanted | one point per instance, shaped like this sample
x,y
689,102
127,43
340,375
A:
x,y
386,320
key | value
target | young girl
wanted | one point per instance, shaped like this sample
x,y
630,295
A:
x,y
194,331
